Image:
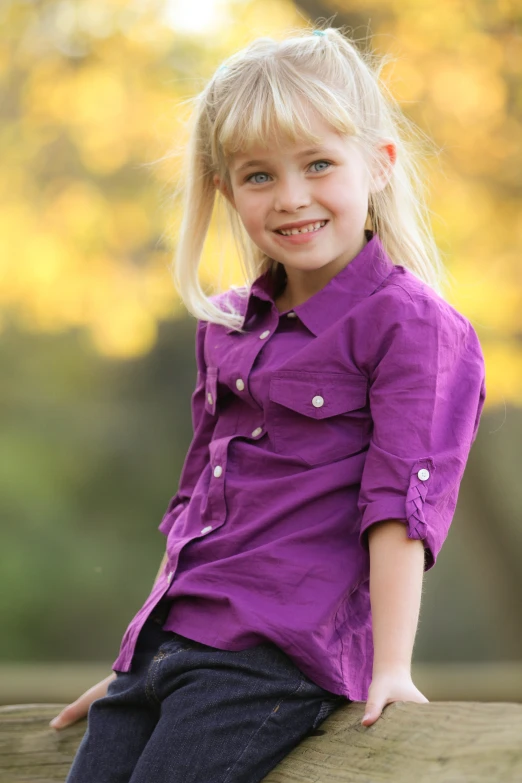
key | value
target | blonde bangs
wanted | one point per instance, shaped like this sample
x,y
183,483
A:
x,y
275,105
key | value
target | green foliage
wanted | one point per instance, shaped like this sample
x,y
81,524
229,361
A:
x,y
91,451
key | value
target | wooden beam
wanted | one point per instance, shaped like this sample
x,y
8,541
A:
x,y
439,741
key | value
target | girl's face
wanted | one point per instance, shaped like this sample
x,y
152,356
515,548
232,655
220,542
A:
x,y
321,191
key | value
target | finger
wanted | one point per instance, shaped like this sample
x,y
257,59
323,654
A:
x,y
78,709
67,716
72,713
372,713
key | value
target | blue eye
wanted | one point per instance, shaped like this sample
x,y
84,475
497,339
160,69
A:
x,y
318,162
252,177
257,174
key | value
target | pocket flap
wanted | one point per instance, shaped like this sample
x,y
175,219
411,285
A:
x,y
211,389
319,395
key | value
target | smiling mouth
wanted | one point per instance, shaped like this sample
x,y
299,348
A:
x,y
310,228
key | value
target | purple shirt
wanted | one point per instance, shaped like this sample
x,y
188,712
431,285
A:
x,y
360,405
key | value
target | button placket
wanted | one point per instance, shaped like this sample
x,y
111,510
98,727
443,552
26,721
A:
x,y
215,512
256,344
241,382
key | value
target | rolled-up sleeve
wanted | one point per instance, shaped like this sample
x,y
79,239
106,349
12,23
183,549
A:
x,y
427,391
203,424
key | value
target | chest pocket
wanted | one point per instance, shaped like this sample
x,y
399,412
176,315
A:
x,y
318,417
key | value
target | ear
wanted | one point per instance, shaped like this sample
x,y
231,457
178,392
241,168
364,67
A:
x,y
221,185
386,157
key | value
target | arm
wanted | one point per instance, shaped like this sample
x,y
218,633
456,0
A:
x,y
396,573
426,392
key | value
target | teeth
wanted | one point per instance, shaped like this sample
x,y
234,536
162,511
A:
x,y
304,230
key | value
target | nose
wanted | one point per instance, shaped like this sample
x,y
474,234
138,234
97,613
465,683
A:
x,y
291,194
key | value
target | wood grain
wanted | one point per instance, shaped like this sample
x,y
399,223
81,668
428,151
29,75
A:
x,y
439,742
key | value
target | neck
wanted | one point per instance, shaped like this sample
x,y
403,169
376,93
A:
x,y
295,286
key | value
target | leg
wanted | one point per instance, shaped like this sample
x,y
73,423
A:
x,y
227,716
120,724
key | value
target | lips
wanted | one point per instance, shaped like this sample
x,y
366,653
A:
x,y
302,227
301,237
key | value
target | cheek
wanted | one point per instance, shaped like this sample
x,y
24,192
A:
x,y
250,224
346,200
252,213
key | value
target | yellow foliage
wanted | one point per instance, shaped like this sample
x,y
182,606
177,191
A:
x,y
76,210
470,90
93,137
475,279
128,331
406,82
503,372
129,225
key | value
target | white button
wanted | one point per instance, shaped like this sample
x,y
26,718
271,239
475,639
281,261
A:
x,y
423,474
257,431
209,398
207,529
218,470
318,401
169,576
291,314
240,384
264,334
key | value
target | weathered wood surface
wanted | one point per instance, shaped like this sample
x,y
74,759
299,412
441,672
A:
x,y
439,742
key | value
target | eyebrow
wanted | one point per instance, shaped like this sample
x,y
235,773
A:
x,y
312,151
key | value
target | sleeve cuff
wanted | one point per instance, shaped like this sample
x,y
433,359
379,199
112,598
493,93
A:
x,y
409,509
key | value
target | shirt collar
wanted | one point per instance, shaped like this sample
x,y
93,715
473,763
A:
x,y
357,280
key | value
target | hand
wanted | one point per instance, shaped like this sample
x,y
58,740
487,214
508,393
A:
x,y
387,687
79,708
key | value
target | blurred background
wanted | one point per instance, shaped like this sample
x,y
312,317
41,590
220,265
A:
x,y
97,352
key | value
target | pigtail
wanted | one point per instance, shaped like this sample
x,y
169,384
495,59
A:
x,y
199,196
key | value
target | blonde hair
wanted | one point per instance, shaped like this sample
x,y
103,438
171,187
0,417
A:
x,y
259,92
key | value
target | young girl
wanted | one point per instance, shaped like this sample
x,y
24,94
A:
x,y
337,398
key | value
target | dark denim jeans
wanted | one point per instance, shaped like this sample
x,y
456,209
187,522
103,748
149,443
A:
x,y
188,713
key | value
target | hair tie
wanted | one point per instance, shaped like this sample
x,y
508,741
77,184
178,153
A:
x,y
318,32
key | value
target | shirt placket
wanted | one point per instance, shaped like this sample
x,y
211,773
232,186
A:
x,y
249,423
